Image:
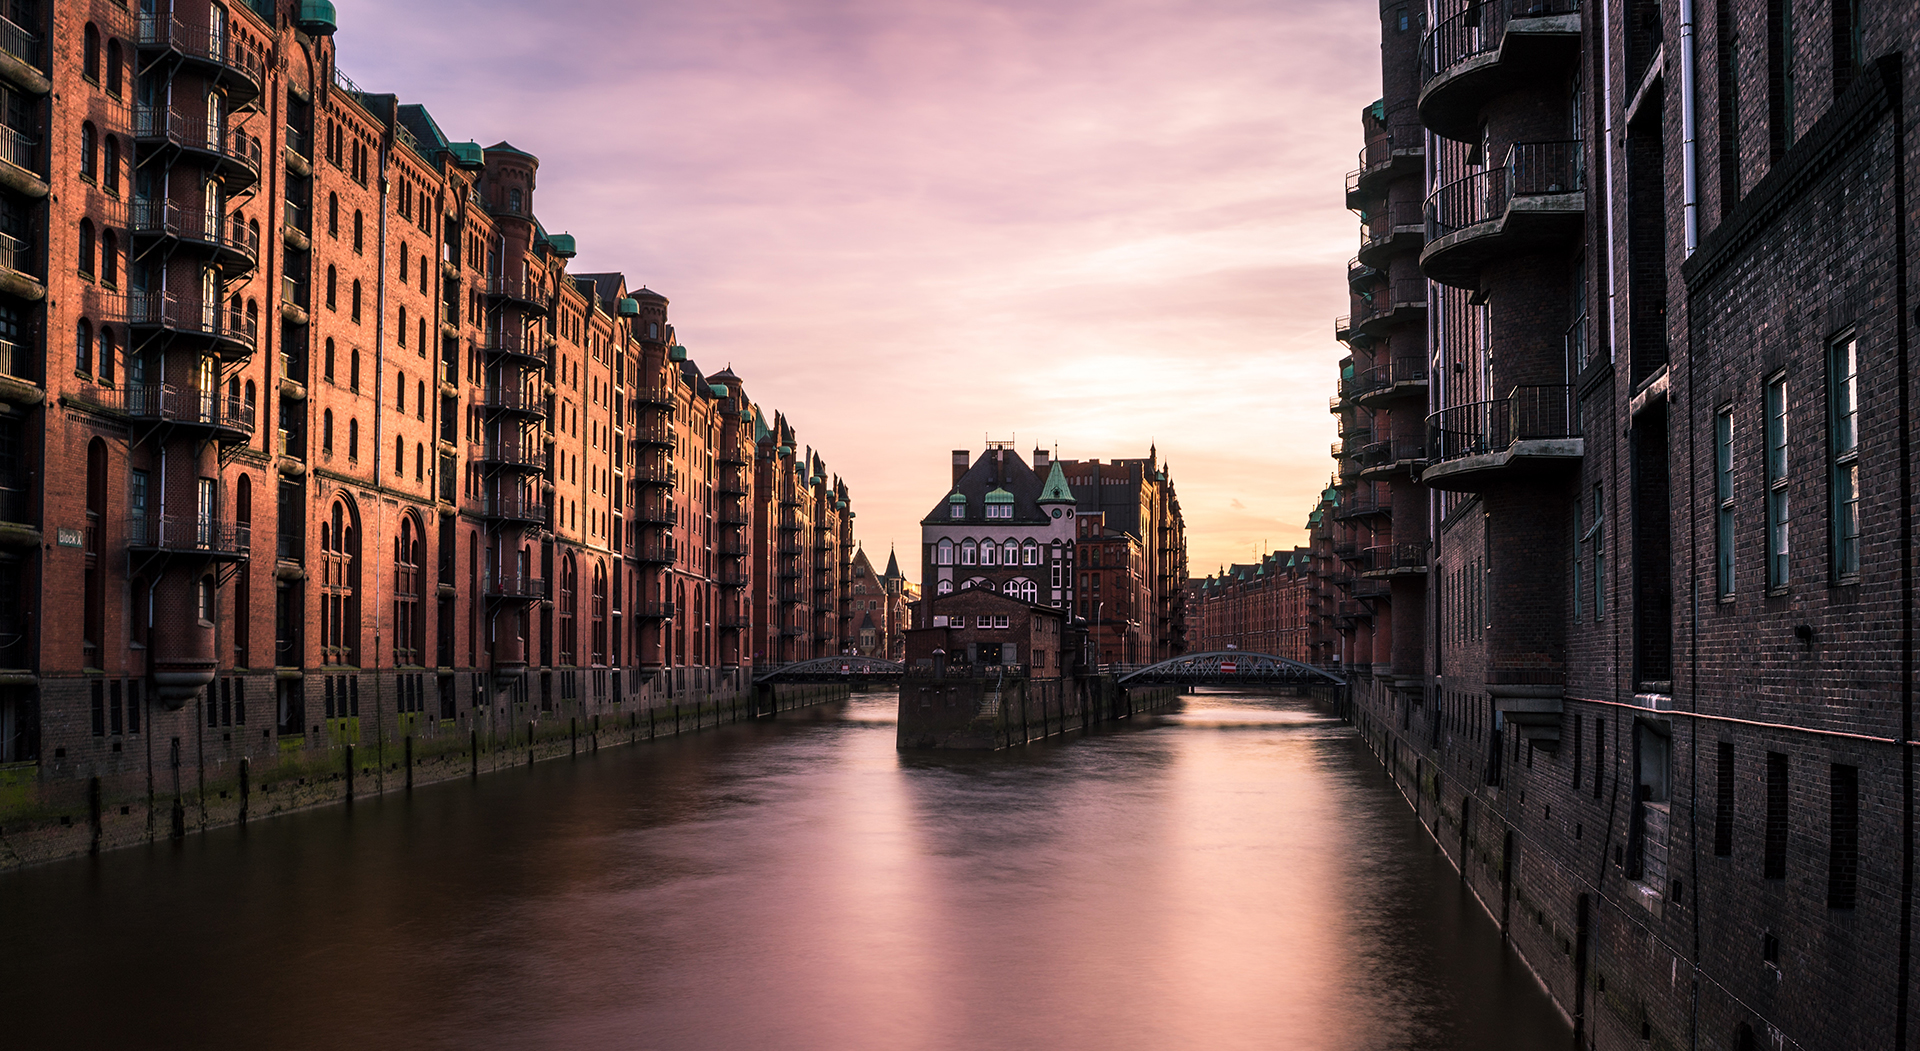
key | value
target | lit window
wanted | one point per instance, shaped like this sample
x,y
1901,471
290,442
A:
x,y
1777,509
1843,400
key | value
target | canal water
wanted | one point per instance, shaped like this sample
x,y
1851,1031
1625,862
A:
x,y
1234,874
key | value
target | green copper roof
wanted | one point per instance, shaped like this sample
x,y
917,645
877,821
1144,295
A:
x,y
629,307
676,353
999,496
784,450
562,245
466,154
1056,491
957,498
317,17
719,391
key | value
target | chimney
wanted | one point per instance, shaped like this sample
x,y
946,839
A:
x,y
1040,459
960,463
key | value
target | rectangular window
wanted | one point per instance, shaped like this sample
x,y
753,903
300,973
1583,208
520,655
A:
x,y
1578,569
1599,755
1579,753
1776,856
1599,542
99,709
1723,803
1776,406
1843,426
1723,492
1843,838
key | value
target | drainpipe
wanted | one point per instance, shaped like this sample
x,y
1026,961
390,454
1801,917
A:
x,y
379,457
1606,175
1689,133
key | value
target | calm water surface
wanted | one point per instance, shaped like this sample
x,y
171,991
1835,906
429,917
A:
x,y
1236,875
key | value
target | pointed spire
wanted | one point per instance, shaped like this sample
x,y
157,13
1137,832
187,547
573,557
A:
x,y
1057,491
893,564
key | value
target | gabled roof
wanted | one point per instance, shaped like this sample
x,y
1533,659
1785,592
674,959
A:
x,y
995,469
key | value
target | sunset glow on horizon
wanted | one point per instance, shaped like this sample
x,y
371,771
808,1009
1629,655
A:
x,y
912,226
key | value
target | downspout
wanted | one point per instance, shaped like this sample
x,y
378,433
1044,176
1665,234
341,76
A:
x,y
1606,177
1891,69
1689,134
379,435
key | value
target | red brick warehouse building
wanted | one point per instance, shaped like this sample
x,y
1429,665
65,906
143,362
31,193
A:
x,y
1623,511
310,438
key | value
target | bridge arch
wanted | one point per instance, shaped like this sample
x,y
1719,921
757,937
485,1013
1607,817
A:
x,y
833,669
1231,667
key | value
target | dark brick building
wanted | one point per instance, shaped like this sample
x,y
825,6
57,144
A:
x,y
310,439
1640,490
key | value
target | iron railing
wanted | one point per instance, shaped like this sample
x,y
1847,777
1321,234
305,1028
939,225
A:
x,y
1410,368
1527,413
1531,169
515,343
19,43
1377,230
1478,29
168,311
201,533
1399,556
201,42
511,399
230,144
222,231
513,585
19,149
515,454
14,501
514,507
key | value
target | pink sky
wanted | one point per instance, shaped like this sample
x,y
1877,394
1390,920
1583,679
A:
x,y
910,224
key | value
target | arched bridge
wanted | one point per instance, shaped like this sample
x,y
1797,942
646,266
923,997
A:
x,y
1230,668
831,669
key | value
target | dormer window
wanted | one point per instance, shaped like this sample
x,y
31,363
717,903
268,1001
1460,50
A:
x,y
959,510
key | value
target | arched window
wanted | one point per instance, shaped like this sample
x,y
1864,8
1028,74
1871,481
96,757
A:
x,y
110,259
333,287
969,553
359,230
86,248
1010,553
569,603
408,628
110,165
400,392
333,217
339,589
945,587
400,330
355,306
600,613
420,347
353,438
404,256
90,56
1030,553
89,151
83,346
420,400
113,68
107,356
943,553
353,369
419,462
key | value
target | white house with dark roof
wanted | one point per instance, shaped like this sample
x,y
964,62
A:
x,y
1002,526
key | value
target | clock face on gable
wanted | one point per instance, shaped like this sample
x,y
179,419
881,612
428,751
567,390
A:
x,y
1056,512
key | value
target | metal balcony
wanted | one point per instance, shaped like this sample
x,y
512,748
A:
x,y
221,417
217,55
1477,51
660,433
233,246
221,331
1396,146
191,535
663,475
1404,302
653,610
514,509
656,551
1398,227
515,345
528,455
520,291
655,515
508,586
229,150
1397,560
1533,429
1383,459
1534,200
512,401
1403,377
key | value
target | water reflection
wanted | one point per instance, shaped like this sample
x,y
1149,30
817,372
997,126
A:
x,y
1236,875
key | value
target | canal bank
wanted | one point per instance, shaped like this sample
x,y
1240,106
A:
x,y
185,790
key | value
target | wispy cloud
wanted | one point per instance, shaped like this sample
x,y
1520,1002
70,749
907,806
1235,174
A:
x,y
909,223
